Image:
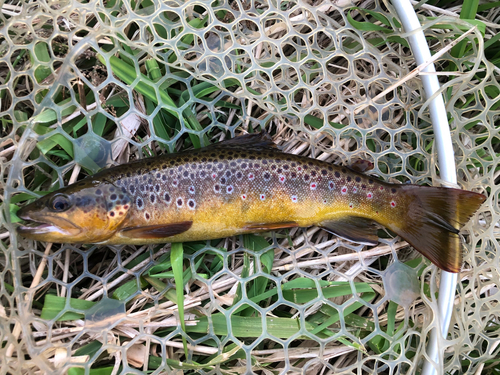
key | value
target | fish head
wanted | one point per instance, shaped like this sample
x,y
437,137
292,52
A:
x,y
85,212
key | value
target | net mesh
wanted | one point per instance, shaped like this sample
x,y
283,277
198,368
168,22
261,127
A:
x,y
84,85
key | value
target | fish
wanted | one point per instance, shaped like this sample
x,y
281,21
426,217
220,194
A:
x,y
247,185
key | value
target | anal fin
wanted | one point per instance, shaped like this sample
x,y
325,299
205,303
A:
x,y
270,226
156,231
356,229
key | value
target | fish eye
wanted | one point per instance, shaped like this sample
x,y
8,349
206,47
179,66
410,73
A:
x,y
59,203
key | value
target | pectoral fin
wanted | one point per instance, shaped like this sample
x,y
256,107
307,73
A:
x,y
269,226
356,229
156,231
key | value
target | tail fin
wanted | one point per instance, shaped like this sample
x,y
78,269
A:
x,y
434,219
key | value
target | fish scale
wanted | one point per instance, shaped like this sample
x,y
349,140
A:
x,y
246,185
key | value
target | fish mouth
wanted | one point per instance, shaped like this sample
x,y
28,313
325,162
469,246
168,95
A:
x,y
46,225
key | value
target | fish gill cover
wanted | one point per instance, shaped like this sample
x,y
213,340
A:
x,y
91,84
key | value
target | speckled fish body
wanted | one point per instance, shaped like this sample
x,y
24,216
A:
x,y
241,187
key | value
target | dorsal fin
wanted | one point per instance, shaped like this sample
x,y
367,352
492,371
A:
x,y
257,141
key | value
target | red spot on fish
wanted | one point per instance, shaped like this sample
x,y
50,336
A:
x,y
243,197
251,176
175,182
262,197
351,205
191,189
381,188
313,185
282,179
214,175
299,168
294,198
229,189
343,190
393,204
369,195
331,185
354,189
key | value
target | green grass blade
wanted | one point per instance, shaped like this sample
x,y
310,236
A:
x,y
177,259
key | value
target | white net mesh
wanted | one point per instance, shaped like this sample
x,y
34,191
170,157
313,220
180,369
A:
x,y
85,85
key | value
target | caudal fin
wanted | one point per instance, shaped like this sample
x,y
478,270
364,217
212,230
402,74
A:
x,y
434,220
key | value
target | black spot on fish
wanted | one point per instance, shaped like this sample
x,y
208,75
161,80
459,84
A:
x,y
264,162
279,170
337,174
233,164
113,197
203,160
349,178
358,179
273,167
112,213
150,181
192,175
223,180
146,215
152,198
131,189
306,177
129,174
324,172
98,192
179,202
171,172
370,181
191,203
363,186
286,167
164,178
313,173
82,202
244,165
228,174
293,165
344,170
139,202
164,166
119,182
166,197
293,175
393,191
157,188
185,174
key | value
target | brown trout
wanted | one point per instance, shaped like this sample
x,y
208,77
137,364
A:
x,y
246,185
